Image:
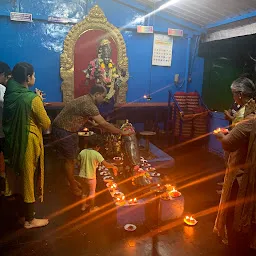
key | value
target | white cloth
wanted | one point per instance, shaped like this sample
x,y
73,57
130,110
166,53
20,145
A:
x,y
2,92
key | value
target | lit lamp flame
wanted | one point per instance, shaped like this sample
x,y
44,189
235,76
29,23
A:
x,y
175,193
190,221
120,201
168,187
133,201
217,131
113,187
223,130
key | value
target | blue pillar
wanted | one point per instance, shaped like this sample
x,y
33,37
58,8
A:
x,y
187,65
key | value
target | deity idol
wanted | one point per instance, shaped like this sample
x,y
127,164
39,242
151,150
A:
x,y
104,71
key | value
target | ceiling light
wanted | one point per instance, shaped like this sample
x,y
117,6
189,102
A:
x,y
167,4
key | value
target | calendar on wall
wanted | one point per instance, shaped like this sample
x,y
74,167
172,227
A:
x,y
162,50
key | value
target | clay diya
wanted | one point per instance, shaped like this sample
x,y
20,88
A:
x,y
133,201
223,130
174,193
190,221
120,200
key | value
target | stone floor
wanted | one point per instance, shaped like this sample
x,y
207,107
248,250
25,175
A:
x,y
72,233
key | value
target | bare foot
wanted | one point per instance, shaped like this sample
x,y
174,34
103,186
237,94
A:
x,y
75,190
84,207
95,208
78,184
219,192
36,223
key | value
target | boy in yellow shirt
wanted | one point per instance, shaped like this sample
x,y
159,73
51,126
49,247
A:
x,y
88,161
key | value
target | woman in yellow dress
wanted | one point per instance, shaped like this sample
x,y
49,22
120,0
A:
x,y
24,118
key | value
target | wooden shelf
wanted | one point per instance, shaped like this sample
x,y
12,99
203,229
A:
x,y
58,105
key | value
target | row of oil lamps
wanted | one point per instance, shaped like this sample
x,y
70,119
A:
x,y
189,220
121,200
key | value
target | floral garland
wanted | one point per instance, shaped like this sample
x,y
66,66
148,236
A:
x,y
97,70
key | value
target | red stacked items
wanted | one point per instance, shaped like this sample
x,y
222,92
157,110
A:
x,y
191,119
186,129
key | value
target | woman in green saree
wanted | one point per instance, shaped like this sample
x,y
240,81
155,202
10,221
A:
x,y
24,118
236,218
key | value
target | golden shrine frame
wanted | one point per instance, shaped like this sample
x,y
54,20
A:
x,y
95,20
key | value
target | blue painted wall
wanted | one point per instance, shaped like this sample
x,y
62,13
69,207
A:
x,y
41,44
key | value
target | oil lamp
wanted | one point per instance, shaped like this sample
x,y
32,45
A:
x,y
225,131
113,187
168,187
175,193
133,201
190,221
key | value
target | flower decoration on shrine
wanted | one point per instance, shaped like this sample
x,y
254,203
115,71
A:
x,y
103,70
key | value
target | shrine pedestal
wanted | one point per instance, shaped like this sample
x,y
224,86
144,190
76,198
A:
x,y
161,159
171,209
136,214
131,214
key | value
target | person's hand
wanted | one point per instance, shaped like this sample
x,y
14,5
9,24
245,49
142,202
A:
x,y
115,170
228,116
93,123
219,135
40,93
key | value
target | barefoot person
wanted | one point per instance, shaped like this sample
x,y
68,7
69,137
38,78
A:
x,y
88,161
5,73
24,118
236,217
71,120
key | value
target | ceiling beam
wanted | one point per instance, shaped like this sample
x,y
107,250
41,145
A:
x,y
231,20
145,9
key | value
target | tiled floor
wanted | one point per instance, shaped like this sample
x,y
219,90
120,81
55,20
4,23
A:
x,y
75,234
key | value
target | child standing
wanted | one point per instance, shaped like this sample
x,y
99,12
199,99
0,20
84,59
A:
x,y
88,160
